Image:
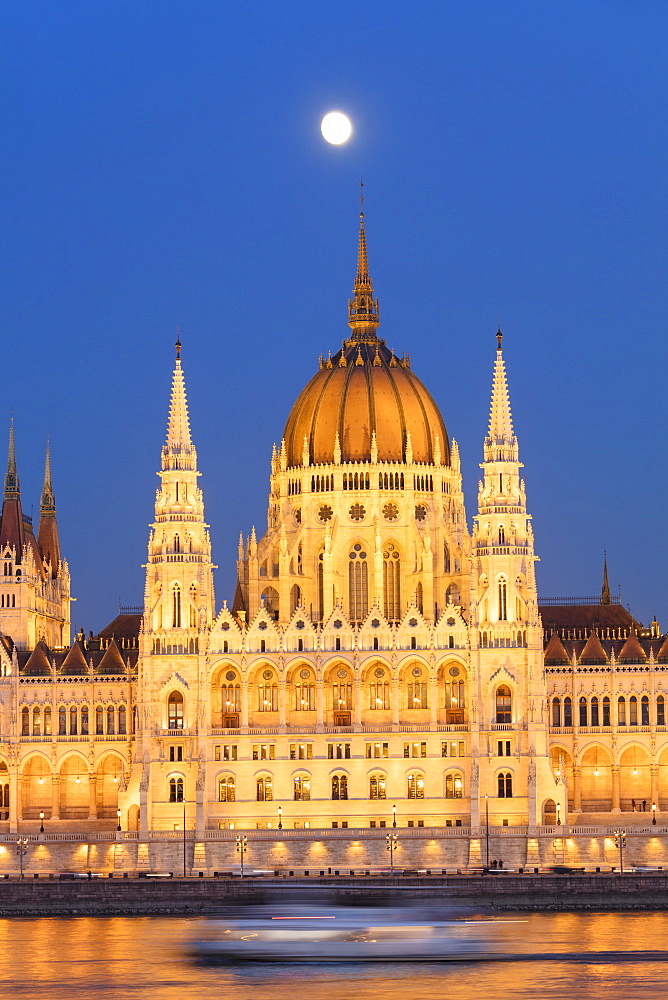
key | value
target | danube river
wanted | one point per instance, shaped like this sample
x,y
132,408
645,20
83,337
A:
x,y
147,957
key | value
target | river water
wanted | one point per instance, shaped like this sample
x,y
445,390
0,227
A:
x,y
137,958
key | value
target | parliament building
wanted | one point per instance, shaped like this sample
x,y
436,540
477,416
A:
x,y
385,662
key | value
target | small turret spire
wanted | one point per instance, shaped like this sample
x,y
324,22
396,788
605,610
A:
x,y
12,485
48,500
605,589
47,535
178,452
363,308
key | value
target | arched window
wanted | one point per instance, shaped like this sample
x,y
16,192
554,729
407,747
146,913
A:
x,y
379,695
99,721
446,557
377,786
47,720
295,598
594,711
305,697
505,785
503,704
25,722
36,722
111,720
193,605
122,720
264,789
503,609
621,710
417,695
502,535
454,785
84,720
391,583
231,698
415,786
267,697
175,711
176,789
568,712
226,789
321,586
644,711
302,788
633,710
556,712
660,711
342,696
176,606
419,598
73,721
452,594
339,786
358,583
583,711
606,711
455,700
177,543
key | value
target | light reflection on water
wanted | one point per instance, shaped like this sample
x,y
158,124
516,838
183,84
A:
x,y
136,958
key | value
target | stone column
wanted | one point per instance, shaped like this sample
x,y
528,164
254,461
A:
x,y
92,796
395,701
654,794
357,701
320,703
577,789
281,703
244,703
55,797
433,702
14,803
615,789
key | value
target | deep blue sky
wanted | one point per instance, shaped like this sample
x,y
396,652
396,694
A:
x,y
162,165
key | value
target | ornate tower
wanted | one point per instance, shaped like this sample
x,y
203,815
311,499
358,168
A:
x,y
35,603
507,634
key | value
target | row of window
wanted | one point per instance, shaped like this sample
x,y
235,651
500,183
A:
x,y
341,751
74,721
340,695
633,711
415,787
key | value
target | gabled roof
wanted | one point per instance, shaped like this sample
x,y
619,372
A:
x,y
632,651
593,651
555,651
112,662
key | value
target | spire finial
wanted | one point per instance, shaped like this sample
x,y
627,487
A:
x,y
499,335
12,488
363,308
177,345
605,589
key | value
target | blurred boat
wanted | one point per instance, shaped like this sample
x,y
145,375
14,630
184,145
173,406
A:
x,y
346,935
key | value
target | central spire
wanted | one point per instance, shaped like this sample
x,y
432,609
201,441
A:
x,y
363,308
12,486
178,452
500,443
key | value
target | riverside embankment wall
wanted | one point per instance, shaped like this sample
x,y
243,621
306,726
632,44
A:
x,y
201,896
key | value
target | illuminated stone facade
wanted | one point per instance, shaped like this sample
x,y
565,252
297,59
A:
x,y
379,662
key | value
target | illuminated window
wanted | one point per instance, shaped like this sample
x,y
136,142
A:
x,y
415,786
454,786
377,786
264,789
175,710
503,704
302,788
226,789
339,786
176,789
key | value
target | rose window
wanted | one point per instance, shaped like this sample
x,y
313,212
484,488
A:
x,y
325,513
390,512
357,512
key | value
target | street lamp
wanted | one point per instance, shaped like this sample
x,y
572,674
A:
x,y
118,813
21,850
620,842
558,814
394,816
487,831
653,813
184,836
41,822
280,817
392,839
242,847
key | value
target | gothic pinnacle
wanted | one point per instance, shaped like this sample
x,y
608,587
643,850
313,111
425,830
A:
x,y
12,486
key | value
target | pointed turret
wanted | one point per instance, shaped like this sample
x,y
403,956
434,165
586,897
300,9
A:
x,y
363,315
47,535
500,443
12,530
178,453
605,589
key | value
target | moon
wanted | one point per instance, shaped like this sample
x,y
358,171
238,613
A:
x,y
336,128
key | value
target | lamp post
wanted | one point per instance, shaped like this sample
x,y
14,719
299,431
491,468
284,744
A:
x,y
184,837
558,814
394,816
487,831
653,813
620,842
391,840
118,826
242,847
41,822
280,817
21,850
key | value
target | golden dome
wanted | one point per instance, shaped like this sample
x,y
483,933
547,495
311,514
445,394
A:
x,y
363,389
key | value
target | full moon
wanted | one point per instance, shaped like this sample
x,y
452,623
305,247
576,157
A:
x,y
336,128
